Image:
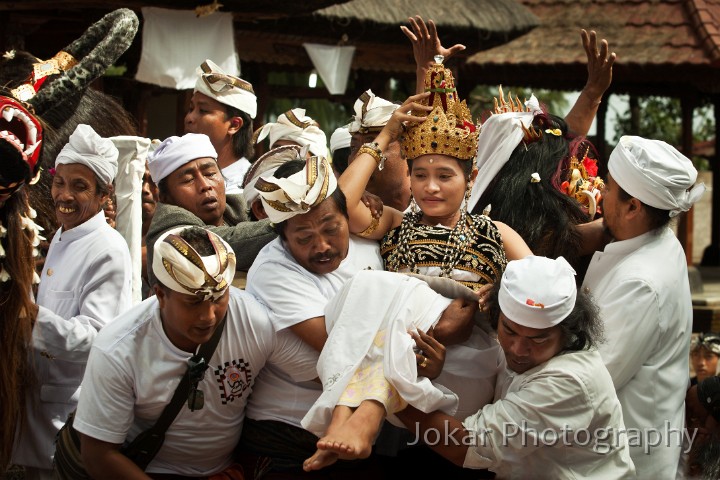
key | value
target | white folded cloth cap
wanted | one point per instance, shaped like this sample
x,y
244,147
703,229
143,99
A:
x,y
178,266
340,138
297,127
371,113
655,173
283,198
88,148
227,89
174,152
266,165
537,292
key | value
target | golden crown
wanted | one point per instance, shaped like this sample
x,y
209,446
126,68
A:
x,y
448,129
531,134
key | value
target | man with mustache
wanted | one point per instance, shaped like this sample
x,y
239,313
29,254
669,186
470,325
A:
x,y
192,192
295,276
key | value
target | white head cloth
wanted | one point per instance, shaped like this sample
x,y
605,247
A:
x,y
179,267
266,166
655,173
371,113
340,138
499,136
174,152
537,292
284,198
297,127
90,149
227,89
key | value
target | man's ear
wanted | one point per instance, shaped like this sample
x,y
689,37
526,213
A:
x,y
160,294
236,124
258,210
634,208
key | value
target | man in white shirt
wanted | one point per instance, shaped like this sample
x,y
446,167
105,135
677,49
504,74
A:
x,y
85,283
223,108
295,276
640,282
556,414
123,397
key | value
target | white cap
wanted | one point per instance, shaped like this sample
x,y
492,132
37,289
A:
x,y
537,292
90,149
655,173
174,152
340,138
227,89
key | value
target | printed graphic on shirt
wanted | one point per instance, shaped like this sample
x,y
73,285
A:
x,y
234,378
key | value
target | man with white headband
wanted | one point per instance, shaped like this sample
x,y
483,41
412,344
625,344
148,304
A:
x,y
296,276
295,128
392,183
556,414
223,108
193,298
640,281
192,192
266,166
85,283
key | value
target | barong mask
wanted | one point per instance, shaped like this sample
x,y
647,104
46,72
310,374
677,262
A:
x,y
448,129
178,266
283,198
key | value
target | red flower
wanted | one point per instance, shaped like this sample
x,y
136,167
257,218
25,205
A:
x,y
590,166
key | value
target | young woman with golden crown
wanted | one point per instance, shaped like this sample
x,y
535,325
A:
x,y
437,238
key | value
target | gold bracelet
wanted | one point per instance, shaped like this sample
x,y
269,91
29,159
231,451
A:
x,y
374,222
373,149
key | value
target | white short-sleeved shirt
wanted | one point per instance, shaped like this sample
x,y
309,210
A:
x,y
293,295
134,370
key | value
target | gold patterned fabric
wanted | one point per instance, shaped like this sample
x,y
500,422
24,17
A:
x,y
482,256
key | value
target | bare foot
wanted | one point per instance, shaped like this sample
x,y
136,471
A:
x,y
320,459
354,438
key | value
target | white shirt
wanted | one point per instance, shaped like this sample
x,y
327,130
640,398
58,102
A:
x,y
134,370
641,287
293,295
234,175
558,420
85,283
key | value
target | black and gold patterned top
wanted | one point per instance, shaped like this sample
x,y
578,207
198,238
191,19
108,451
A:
x,y
481,262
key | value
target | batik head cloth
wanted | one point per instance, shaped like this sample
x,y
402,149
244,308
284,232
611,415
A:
x,y
297,127
266,166
182,269
283,198
371,113
226,89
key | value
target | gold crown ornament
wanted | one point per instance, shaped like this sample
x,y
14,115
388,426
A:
x,y
584,184
448,129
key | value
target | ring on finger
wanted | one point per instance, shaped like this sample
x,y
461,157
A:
x,y
424,362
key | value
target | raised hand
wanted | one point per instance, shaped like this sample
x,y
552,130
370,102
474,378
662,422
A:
x,y
426,43
600,63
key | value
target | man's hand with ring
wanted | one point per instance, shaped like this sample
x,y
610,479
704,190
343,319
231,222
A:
x,y
431,360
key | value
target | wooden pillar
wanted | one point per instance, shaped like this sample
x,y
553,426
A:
x,y
711,255
685,224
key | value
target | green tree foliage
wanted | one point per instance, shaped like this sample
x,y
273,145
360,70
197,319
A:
x,y
661,118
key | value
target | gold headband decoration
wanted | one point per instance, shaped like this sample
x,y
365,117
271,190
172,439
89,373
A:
x,y
584,184
448,129
531,134
61,62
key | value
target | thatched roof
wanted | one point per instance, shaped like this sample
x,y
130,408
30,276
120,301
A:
x,y
476,23
662,46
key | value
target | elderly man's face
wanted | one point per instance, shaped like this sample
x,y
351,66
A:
x,y
198,187
187,320
392,183
526,348
75,194
319,240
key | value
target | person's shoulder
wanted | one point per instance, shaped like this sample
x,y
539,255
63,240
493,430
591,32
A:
x,y
127,327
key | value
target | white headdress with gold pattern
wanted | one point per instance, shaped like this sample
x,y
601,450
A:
x,y
178,266
283,198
